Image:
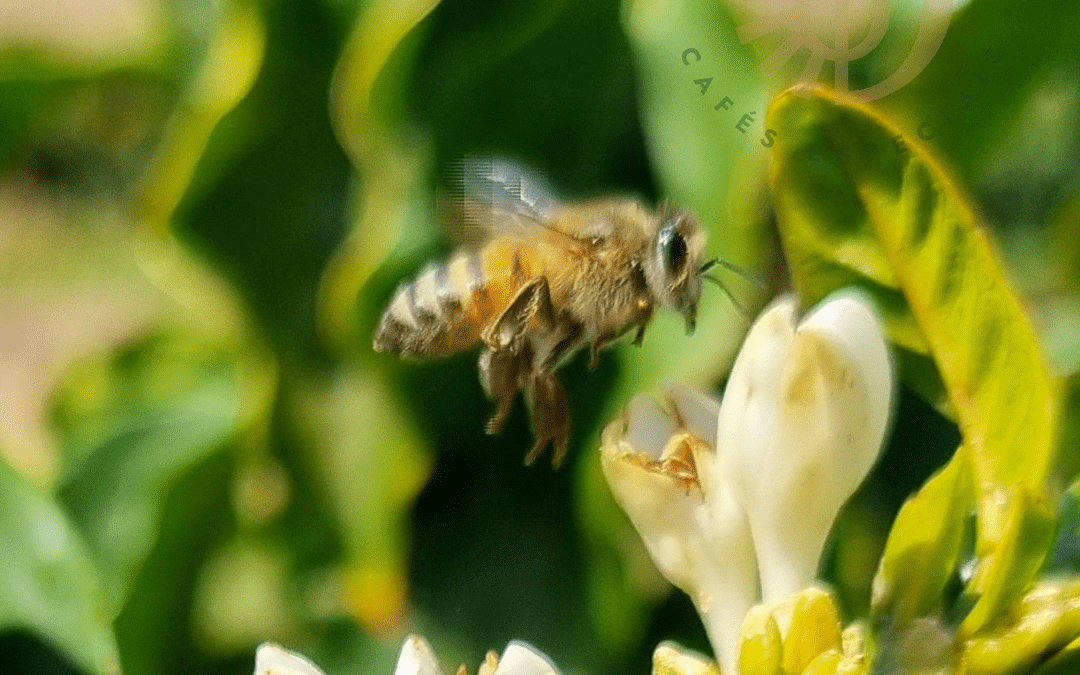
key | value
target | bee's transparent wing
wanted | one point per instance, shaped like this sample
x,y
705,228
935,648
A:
x,y
490,197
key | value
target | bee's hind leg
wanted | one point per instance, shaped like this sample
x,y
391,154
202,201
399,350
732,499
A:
x,y
550,417
501,375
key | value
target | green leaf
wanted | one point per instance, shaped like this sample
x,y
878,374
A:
x,y
1017,558
975,89
923,548
1065,662
843,172
48,581
132,422
1045,620
1066,552
155,626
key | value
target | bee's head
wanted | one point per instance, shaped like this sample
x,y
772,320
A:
x,y
673,261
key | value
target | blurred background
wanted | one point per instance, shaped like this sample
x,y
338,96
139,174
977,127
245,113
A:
x,y
206,204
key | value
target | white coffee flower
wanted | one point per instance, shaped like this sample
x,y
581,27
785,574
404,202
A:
x,y
694,529
416,658
734,501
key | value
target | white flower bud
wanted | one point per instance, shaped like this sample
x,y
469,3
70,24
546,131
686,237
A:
x,y
801,424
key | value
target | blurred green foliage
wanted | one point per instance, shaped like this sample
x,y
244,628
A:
x,y
204,210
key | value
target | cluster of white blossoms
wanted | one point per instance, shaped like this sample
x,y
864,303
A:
x,y
416,658
734,500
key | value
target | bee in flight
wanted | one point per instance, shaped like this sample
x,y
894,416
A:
x,y
540,281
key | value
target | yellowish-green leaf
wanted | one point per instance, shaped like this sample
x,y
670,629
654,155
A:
x,y
1021,550
1047,618
923,548
852,191
1065,662
226,75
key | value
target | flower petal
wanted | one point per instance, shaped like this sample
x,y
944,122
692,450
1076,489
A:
x,y
800,426
521,658
648,426
695,532
417,658
696,411
270,659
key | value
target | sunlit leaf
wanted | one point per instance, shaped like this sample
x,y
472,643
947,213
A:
x,y
924,546
1045,620
1020,552
48,581
1065,662
912,217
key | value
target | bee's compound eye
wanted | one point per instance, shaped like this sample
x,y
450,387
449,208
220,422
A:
x,y
673,249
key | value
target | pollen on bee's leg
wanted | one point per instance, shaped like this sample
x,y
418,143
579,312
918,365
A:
x,y
499,376
550,418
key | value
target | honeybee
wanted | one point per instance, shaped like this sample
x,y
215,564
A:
x,y
540,281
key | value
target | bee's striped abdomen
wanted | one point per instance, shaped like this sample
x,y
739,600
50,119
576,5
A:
x,y
436,314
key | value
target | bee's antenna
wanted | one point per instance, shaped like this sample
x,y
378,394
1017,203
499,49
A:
x,y
709,264
742,310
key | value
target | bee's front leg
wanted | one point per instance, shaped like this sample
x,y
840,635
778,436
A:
x,y
646,315
550,417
